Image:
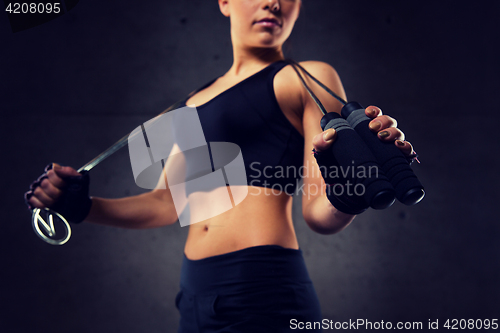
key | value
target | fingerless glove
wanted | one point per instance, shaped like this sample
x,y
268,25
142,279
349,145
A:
x,y
74,203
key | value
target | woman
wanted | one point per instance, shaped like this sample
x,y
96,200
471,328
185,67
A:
x,y
243,270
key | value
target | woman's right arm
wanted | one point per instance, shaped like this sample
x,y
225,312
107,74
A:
x,y
148,210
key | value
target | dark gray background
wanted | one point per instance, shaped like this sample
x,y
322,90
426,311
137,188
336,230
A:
x,y
72,87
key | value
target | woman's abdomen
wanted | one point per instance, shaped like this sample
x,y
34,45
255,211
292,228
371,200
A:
x,y
262,218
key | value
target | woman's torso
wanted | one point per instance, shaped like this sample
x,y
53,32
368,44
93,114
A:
x,y
264,216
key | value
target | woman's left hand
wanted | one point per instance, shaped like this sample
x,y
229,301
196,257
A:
x,y
383,125
386,129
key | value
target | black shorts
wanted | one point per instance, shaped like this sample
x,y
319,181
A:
x,y
258,289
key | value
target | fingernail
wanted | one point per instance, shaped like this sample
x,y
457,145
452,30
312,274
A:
x,y
384,134
57,166
400,143
41,178
35,184
375,126
328,135
372,112
27,197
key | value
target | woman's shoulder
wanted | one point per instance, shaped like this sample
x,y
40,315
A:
x,y
316,65
322,71
293,97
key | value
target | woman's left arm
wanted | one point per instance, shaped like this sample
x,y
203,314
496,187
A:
x,y
319,213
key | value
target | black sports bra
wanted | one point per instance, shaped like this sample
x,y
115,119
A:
x,y
248,115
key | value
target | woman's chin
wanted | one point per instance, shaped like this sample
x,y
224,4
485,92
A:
x,y
267,43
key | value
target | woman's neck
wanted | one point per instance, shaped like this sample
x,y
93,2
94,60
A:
x,y
253,59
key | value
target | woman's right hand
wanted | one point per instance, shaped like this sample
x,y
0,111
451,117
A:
x,y
62,189
48,188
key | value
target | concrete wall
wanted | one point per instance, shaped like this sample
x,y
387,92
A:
x,y
73,86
